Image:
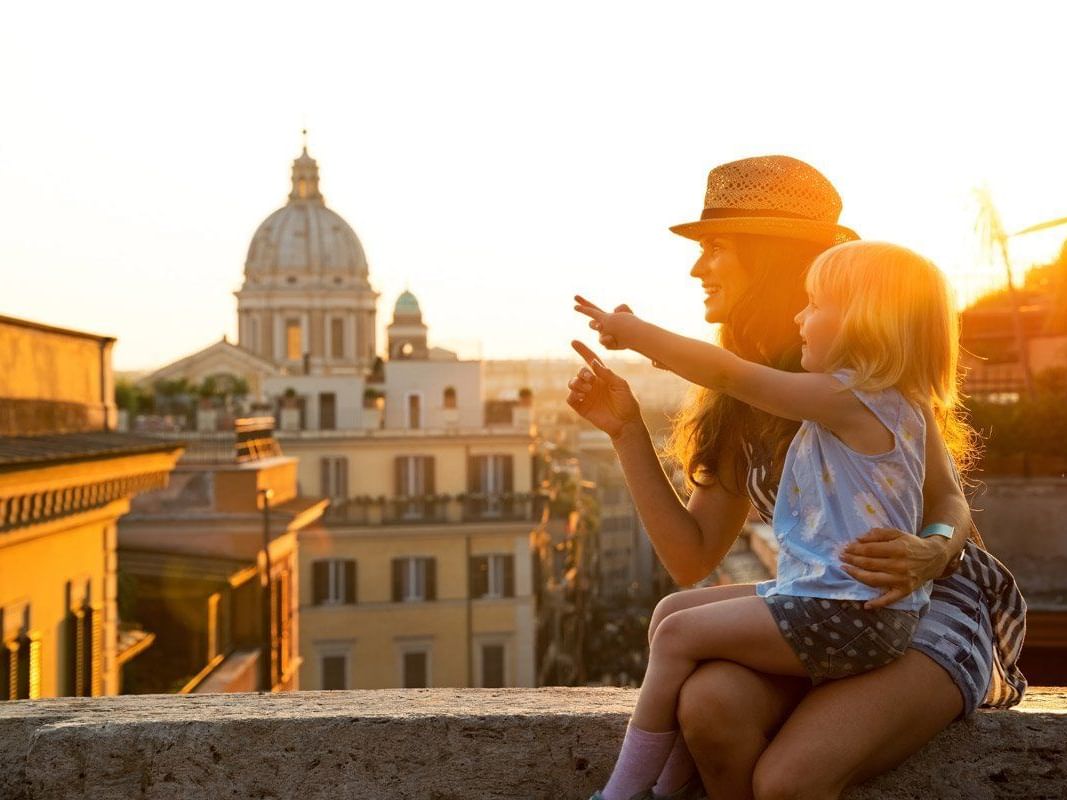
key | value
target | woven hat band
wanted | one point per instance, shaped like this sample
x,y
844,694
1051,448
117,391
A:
x,y
725,213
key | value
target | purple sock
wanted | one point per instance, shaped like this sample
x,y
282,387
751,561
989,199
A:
x,y
640,762
677,771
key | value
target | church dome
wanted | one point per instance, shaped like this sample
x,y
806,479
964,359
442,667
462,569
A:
x,y
304,236
407,305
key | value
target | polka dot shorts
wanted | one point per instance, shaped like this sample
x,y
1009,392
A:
x,y
839,638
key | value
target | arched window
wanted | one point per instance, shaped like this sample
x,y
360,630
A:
x,y
450,397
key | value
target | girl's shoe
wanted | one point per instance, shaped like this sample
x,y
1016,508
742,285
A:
x,y
693,790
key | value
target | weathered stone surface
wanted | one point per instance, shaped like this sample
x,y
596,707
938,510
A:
x,y
438,744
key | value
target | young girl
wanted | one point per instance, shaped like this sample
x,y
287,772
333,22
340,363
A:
x,y
880,350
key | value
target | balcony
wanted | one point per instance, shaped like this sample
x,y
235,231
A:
x,y
557,743
437,509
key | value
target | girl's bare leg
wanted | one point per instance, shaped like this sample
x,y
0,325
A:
x,y
847,731
687,598
741,630
728,715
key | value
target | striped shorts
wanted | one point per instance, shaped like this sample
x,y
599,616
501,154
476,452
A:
x,y
955,632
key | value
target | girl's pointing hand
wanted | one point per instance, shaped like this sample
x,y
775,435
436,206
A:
x,y
617,329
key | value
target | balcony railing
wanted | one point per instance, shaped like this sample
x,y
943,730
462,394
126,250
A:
x,y
435,509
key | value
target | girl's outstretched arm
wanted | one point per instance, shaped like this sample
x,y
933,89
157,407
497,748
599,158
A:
x,y
793,395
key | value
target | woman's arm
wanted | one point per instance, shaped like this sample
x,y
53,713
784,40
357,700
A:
x,y
690,541
899,563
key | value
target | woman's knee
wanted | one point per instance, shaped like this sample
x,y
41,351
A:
x,y
713,709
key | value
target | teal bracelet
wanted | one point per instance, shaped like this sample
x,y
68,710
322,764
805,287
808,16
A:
x,y
937,529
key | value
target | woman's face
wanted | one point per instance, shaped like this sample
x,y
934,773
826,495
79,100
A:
x,y
722,275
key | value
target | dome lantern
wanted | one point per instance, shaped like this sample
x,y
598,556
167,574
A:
x,y
306,180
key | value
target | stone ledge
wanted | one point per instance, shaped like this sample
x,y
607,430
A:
x,y
479,744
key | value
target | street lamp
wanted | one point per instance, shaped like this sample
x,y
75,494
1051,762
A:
x,y
265,671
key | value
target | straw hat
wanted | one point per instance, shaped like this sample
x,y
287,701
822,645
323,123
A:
x,y
770,196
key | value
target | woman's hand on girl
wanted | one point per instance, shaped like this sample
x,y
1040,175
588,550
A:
x,y
601,396
894,561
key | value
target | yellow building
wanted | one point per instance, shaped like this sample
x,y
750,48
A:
x,y
421,575
65,479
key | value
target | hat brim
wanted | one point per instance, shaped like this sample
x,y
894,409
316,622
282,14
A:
x,y
810,230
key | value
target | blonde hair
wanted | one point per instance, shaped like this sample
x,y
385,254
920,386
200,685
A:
x,y
899,328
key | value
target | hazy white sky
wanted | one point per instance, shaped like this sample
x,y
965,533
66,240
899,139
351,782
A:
x,y
494,157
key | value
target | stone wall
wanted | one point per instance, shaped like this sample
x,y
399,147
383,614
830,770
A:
x,y
438,744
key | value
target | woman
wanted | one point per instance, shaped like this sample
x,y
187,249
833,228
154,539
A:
x,y
766,736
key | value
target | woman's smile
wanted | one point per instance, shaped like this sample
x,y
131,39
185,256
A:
x,y
721,276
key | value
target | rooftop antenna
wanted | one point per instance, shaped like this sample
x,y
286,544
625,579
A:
x,y
992,237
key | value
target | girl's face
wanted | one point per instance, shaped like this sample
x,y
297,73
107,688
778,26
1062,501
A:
x,y
820,322
722,275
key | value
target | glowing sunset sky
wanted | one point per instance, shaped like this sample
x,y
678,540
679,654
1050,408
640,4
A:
x,y
495,158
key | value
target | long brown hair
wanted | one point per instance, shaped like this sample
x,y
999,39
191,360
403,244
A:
x,y
760,328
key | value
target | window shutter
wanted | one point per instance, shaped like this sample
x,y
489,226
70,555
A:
x,y
320,578
398,579
324,478
400,481
7,672
509,576
97,685
20,674
479,576
84,652
75,654
427,475
509,473
474,473
475,469
350,581
431,578
342,489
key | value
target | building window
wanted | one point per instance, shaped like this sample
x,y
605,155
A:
x,y
414,481
414,411
294,350
334,477
20,655
489,478
333,582
327,411
83,635
414,580
416,666
493,576
493,666
450,397
337,337
335,672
